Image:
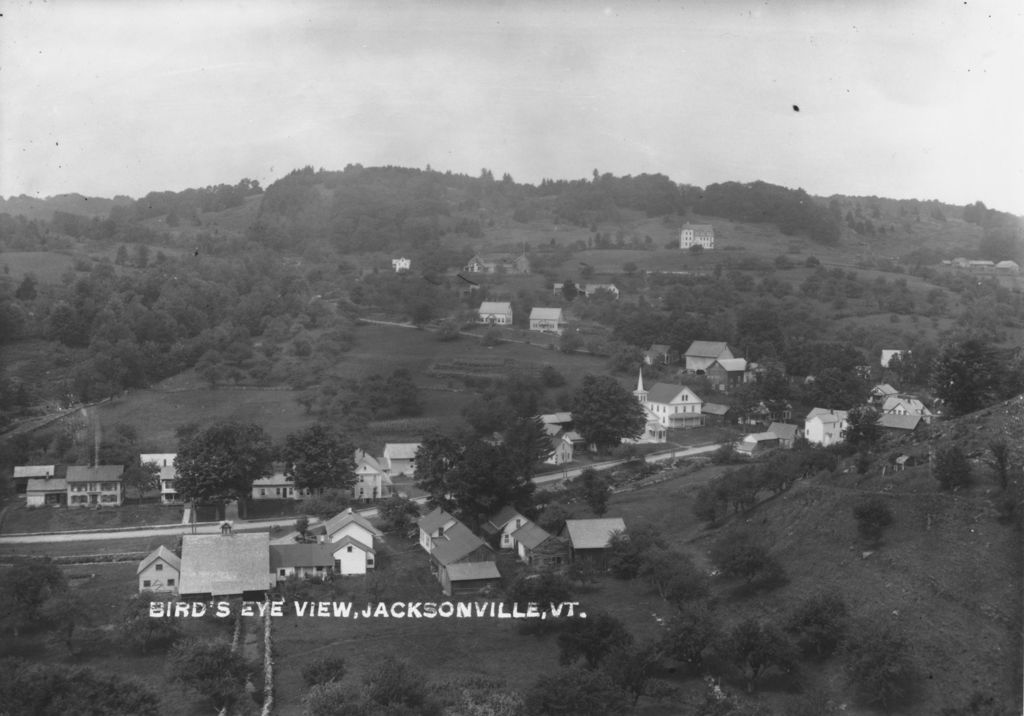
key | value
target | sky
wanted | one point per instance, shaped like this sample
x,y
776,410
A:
x,y
912,99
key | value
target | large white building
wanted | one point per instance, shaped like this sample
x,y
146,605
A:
x,y
825,427
697,235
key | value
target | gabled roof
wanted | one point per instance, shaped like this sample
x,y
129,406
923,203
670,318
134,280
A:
x,y
784,431
222,565
401,451
733,365
364,458
883,389
899,422
432,521
301,555
908,402
715,409
1008,264
495,307
556,418
163,553
33,471
99,473
505,515
707,349
667,393
658,348
530,535
349,540
278,478
467,571
343,519
697,227
593,534
760,437
826,415
457,542
41,484
545,314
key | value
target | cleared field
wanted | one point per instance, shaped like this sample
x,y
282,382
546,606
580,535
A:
x,y
51,519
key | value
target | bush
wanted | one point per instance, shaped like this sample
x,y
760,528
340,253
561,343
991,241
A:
x,y
872,517
738,555
819,624
323,670
877,662
952,468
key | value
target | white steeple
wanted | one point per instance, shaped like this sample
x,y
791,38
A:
x,y
640,393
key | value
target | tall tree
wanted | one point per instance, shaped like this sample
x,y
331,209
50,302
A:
x,y
965,375
435,458
141,477
211,669
319,457
604,412
44,689
25,588
591,639
220,464
527,444
862,427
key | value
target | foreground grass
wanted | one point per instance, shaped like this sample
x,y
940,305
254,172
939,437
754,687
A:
x,y
20,518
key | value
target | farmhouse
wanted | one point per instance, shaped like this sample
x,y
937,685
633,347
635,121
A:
x,y
99,485
401,264
278,487
728,373
372,481
669,405
547,320
225,565
462,561
589,538
539,549
697,235
434,524
498,263
400,458
165,462
495,313
501,526
701,354
825,427
757,444
562,450
23,473
786,433
717,414
51,491
159,571
300,560
349,524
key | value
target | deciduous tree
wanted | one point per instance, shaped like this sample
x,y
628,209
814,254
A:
x,y
605,412
211,669
141,477
319,457
591,639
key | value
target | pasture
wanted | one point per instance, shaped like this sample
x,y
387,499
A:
x,y
48,266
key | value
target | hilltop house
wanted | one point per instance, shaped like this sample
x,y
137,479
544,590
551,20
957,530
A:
x,y
372,481
669,405
825,427
165,462
889,353
1011,268
401,264
400,458
701,354
159,571
728,373
659,354
495,313
880,392
547,320
539,549
498,263
225,565
592,288
589,539
433,524
697,235
99,485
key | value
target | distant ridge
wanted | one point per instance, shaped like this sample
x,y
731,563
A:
x,y
36,208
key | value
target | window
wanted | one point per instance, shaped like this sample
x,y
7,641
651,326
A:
x,y
263,492
146,583
282,572
159,567
170,582
349,549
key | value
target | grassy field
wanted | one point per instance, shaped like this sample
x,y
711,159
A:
x,y
51,519
47,266
85,546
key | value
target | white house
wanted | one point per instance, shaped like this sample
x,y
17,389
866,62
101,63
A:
x,y
670,405
278,487
906,405
351,537
701,354
98,485
400,458
432,525
697,235
401,264
352,556
164,461
547,320
503,524
496,313
1008,267
825,427
562,449
372,481
159,571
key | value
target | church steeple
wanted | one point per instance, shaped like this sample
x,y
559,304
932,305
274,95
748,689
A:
x,y
640,393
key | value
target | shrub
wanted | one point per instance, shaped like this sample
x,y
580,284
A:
x,y
818,624
877,662
738,555
951,468
323,670
872,517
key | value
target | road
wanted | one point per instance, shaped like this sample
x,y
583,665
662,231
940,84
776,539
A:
x,y
548,479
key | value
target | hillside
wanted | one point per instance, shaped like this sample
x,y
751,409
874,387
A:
x,y
44,209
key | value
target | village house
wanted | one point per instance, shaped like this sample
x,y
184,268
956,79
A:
x,y
825,427
981,266
401,264
165,463
591,289
46,491
540,549
669,405
159,571
728,373
98,485
878,394
495,313
589,539
498,263
305,561
23,473
500,526
906,405
717,414
899,424
697,235
400,458
433,524
701,354
225,565
786,433
562,449
351,539
659,354
1010,268
757,444
372,481
547,320
462,562
279,487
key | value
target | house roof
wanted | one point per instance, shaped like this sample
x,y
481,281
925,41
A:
x,y
343,519
826,415
593,534
899,422
33,471
715,409
301,555
99,473
911,404
658,348
278,478
401,451
505,515
1008,264
530,535
545,314
467,571
225,564
160,458
784,431
556,418
884,389
573,436
163,553
707,349
42,484
364,458
495,307
456,542
667,393
349,540
431,521
697,227
733,364
760,437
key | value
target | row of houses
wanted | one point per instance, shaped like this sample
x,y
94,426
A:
x,y
233,564
1006,267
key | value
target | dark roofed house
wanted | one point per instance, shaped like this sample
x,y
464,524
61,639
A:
x,y
589,538
501,526
540,549
97,485
701,354
728,373
433,524
225,565
899,424
786,433
301,560
717,414
659,354
456,548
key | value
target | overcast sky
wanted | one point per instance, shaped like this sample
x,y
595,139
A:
x,y
922,100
